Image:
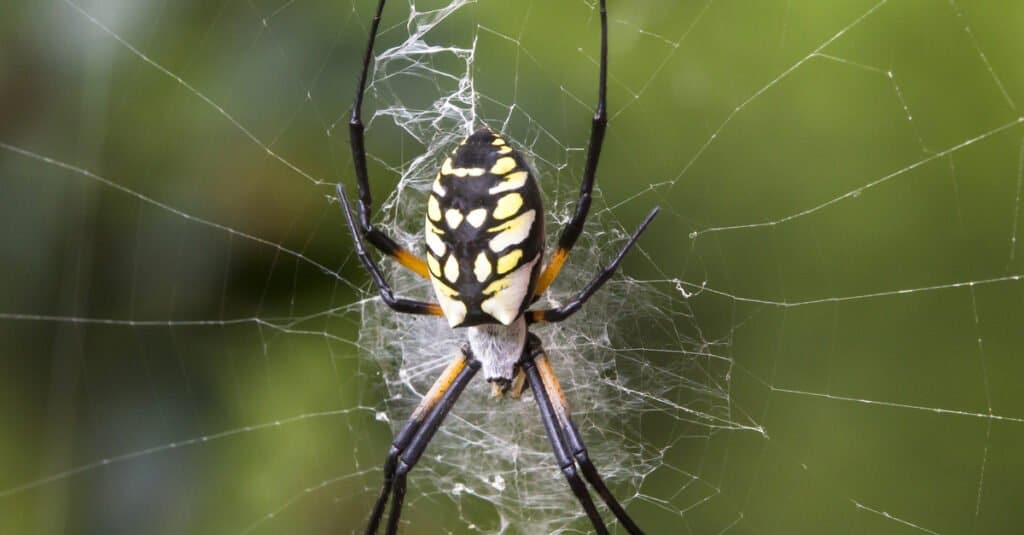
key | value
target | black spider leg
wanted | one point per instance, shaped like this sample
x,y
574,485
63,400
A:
x,y
597,127
410,443
560,313
378,238
572,230
572,438
398,304
402,439
558,441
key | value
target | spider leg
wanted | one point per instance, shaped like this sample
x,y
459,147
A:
x,y
410,442
550,417
559,314
378,238
398,304
598,123
574,441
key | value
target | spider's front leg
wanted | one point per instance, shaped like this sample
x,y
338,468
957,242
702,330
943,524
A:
x,y
398,304
412,440
566,440
555,315
598,124
378,238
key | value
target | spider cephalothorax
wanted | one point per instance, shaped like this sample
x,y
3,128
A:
x,y
485,239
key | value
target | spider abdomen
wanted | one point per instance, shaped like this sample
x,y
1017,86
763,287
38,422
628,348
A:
x,y
484,232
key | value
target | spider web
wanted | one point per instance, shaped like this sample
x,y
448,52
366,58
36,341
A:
x,y
817,333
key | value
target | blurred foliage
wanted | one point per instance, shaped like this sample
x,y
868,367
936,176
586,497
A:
x,y
173,174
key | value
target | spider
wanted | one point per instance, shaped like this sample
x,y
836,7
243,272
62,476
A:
x,y
485,239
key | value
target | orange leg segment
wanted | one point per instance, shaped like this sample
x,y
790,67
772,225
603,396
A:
x,y
550,272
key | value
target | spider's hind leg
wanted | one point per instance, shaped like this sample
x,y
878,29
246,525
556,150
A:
x,y
566,439
410,443
549,416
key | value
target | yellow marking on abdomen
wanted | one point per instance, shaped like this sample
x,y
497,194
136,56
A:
x,y
454,310
435,267
507,295
438,188
451,269
482,267
509,262
512,232
497,286
508,206
477,217
453,217
443,290
468,171
434,242
503,165
511,181
433,209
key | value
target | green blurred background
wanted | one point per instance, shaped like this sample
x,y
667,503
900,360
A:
x,y
179,304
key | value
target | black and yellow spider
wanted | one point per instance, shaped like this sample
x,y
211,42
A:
x,y
485,240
